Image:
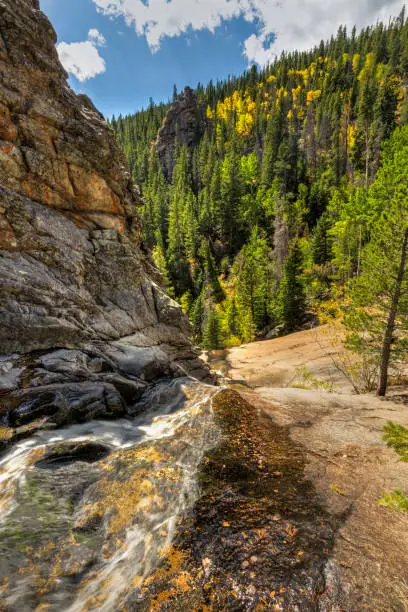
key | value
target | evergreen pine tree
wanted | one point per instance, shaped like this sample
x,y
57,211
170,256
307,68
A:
x,y
322,241
292,295
212,339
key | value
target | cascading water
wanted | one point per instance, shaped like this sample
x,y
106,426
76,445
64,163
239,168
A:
x,y
198,503
86,532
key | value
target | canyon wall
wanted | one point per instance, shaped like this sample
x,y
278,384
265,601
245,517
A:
x,y
80,299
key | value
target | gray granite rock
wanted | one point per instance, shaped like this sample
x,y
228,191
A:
x,y
81,302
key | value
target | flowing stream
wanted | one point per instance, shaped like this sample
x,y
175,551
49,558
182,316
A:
x,y
198,503
85,532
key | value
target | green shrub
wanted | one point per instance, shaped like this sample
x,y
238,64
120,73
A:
x,y
395,500
396,437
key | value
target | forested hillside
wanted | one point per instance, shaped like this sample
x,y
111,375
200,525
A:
x,y
267,215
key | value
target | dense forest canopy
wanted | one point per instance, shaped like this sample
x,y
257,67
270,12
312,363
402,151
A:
x,y
268,214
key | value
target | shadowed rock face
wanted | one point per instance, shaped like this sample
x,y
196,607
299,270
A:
x,y
73,271
184,123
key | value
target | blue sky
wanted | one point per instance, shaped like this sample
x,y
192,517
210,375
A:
x,y
122,52
133,72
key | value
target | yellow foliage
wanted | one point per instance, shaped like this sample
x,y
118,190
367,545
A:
x,y
251,107
238,108
313,95
380,72
356,61
368,68
296,93
210,113
351,135
245,124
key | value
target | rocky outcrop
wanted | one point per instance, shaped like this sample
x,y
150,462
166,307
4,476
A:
x,y
80,300
184,124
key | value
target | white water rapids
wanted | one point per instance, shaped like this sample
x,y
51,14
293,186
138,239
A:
x,y
177,412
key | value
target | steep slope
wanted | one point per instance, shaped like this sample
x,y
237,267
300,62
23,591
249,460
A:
x,y
183,125
74,274
274,192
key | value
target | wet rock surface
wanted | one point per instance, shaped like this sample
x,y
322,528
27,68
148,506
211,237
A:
x,y
60,455
257,539
201,504
88,511
76,284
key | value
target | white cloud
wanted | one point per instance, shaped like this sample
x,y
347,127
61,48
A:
x,y
96,37
156,19
295,23
82,59
300,24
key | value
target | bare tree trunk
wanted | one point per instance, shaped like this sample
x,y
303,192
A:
x,y
389,331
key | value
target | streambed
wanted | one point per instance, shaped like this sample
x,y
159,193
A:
x,y
199,503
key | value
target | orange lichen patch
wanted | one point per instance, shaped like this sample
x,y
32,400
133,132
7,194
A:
x,y
173,564
8,130
93,193
182,582
132,485
96,601
172,579
33,189
35,455
8,242
6,433
162,598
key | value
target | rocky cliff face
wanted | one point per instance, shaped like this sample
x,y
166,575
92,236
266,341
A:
x,y
184,123
84,321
